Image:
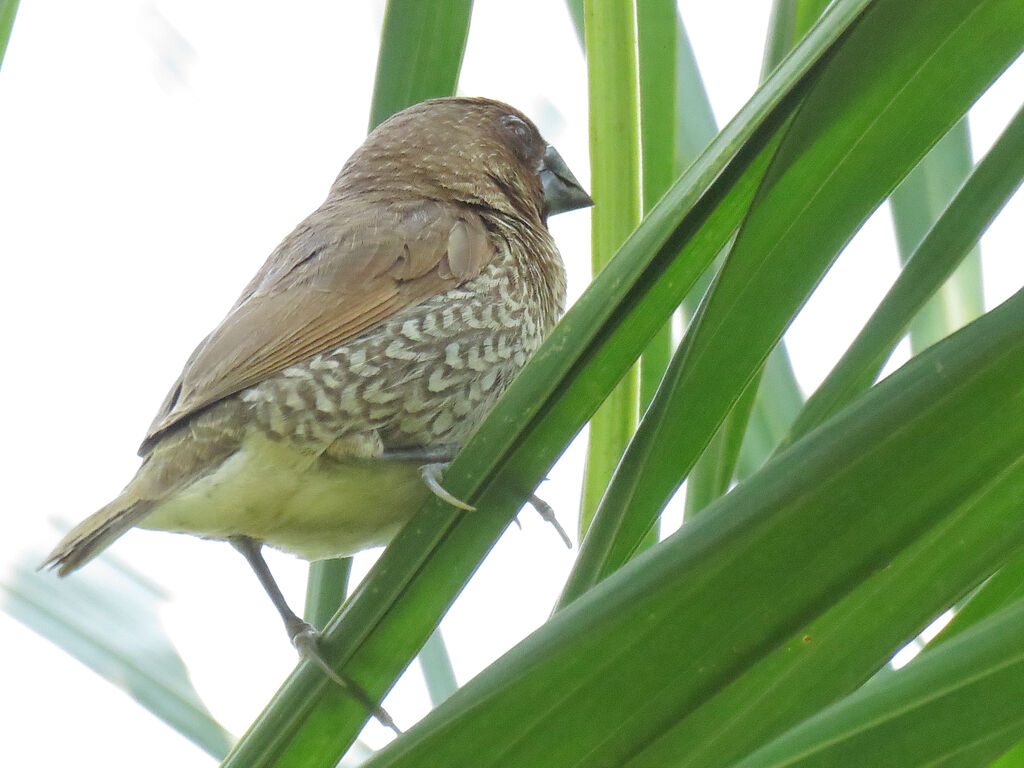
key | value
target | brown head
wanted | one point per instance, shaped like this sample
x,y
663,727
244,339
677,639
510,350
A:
x,y
478,152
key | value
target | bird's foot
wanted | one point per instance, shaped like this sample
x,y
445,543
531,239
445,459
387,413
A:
x,y
431,474
306,640
548,515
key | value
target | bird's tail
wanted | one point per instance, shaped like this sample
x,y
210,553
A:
x,y
96,533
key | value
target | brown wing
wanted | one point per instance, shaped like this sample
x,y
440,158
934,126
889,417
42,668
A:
x,y
347,267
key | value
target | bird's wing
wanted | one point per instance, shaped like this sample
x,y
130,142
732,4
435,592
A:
x,y
343,270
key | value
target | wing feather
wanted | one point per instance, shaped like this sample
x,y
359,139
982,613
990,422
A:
x,y
346,268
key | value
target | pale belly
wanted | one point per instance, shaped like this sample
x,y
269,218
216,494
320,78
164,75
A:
x,y
312,507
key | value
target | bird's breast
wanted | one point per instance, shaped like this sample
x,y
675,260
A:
x,y
312,507
426,376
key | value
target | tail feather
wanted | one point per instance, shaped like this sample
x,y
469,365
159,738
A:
x,y
96,533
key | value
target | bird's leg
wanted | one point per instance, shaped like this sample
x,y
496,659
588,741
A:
x,y
435,461
304,636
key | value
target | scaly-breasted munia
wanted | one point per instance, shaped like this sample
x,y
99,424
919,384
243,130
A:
x,y
372,342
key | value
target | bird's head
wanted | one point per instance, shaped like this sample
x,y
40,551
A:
x,y
478,152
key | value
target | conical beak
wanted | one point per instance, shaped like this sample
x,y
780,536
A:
x,y
561,190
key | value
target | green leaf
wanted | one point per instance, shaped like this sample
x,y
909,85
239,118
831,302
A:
x,y
576,12
421,50
1004,588
779,400
982,196
8,10
887,94
437,669
695,123
916,204
644,648
712,473
326,588
611,38
959,706
106,617
657,28
789,22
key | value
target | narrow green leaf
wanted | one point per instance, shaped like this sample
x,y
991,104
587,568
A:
x,y
916,204
311,721
656,26
888,93
421,50
615,669
1004,588
695,123
787,26
107,618
615,186
959,706
576,12
712,474
8,10
982,196
779,400
326,589
437,668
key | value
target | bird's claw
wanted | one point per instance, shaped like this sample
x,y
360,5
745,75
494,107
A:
x,y
306,640
431,474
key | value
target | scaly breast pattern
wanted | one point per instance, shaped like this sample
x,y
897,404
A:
x,y
426,376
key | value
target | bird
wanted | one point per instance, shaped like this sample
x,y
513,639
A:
x,y
320,413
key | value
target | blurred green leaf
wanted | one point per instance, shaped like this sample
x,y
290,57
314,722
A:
x,y
1003,589
779,400
787,26
695,122
421,50
437,668
8,10
576,12
326,588
916,204
106,617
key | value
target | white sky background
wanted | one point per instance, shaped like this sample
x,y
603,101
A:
x,y
154,154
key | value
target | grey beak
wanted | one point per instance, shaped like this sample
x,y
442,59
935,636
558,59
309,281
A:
x,y
561,190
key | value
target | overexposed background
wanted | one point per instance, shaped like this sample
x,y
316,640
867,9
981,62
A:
x,y
154,153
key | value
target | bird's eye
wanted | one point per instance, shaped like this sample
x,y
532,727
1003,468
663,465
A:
x,y
516,126
523,135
